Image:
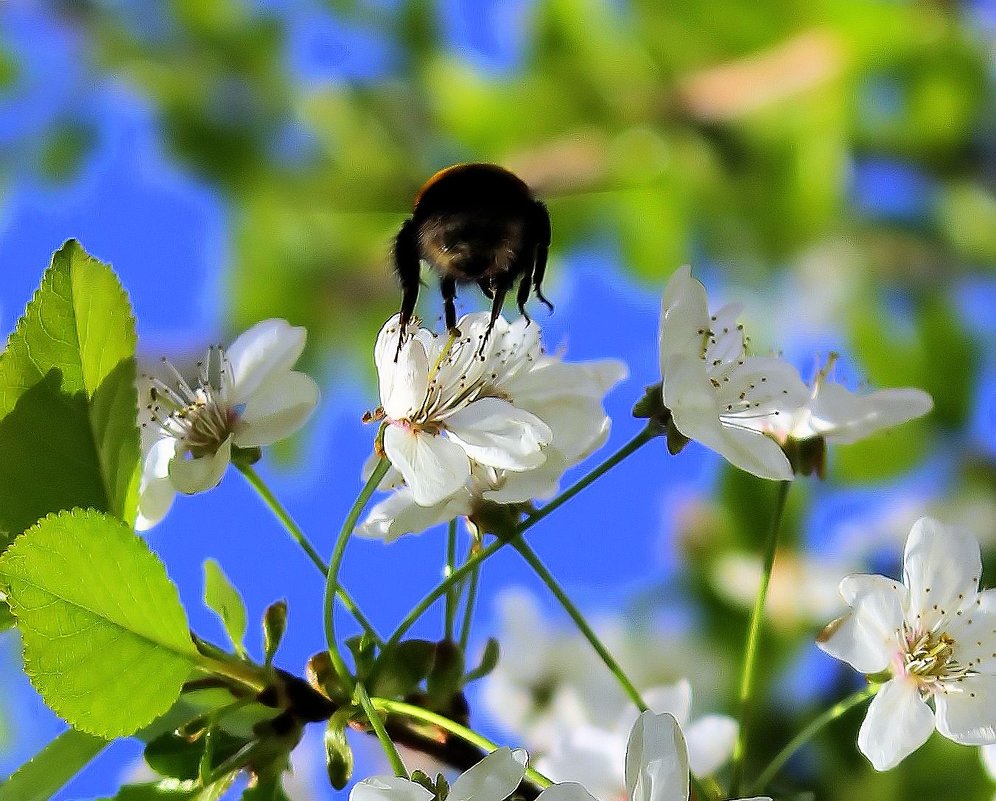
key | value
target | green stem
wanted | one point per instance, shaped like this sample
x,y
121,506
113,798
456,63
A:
x,y
453,594
332,581
808,733
474,561
296,534
378,726
610,662
468,614
753,638
454,728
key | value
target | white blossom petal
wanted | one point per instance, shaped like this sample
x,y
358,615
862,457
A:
x,y
434,468
867,638
578,425
389,788
974,632
268,348
494,432
711,740
565,791
551,379
941,569
684,316
657,760
898,722
494,778
540,483
844,417
277,409
405,382
966,711
203,473
398,514
156,492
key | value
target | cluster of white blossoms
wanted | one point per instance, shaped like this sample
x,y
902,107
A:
x,y
753,410
245,397
473,420
655,768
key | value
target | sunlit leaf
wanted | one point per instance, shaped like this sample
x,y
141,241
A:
x,y
224,600
90,600
68,402
50,769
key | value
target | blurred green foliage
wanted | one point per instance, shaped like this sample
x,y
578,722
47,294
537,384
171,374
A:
x,y
680,131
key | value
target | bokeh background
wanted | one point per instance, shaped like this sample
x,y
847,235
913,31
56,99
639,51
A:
x,y
832,163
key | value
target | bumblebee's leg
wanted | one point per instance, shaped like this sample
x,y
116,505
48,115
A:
x,y
501,289
406,265
448,287
542,233
523,294
485,285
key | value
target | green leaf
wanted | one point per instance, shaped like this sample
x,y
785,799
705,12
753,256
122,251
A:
x,y
179,758
6,618
363,648
489,661
401,669
224,600
446,676
338,754
270,789
274,625
105,638
68,404
51,768
173,790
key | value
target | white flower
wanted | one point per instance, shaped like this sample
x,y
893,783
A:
x,y
656,767
713,389
558,406
935,636
245,397
494,778
445,406
836,415
593,754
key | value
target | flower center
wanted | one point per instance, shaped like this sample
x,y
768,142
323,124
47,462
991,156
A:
x,y
928,658
200,417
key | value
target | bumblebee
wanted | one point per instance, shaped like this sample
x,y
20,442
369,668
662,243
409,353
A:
x,y
474,223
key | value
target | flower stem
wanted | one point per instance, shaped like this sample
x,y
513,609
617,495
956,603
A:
x,y
378,726
753,638
610,662
468,613
453,593
808,733
476,559
295,532
454,728
332,581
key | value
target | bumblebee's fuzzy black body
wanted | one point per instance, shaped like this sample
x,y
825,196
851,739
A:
x,y
474,223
